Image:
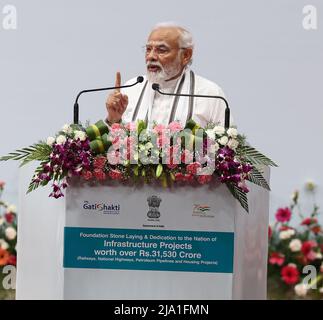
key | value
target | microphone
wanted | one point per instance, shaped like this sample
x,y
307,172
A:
x,y
140,79
156,87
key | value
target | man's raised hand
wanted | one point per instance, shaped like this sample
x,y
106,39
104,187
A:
x,y
116,103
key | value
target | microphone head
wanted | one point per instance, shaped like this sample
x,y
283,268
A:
x,y
140,79
155,86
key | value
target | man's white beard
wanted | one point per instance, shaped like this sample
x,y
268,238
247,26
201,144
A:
x,y
165,73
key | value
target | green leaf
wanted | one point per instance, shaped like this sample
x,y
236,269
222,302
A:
x,y
136,170
141,125
159,170
239,195
34,185
172,176
163,179
39,151
17,155
190,124
257,178
255,157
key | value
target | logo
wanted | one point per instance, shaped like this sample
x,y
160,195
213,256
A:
x,y
202,210
105,208
153,203
198,208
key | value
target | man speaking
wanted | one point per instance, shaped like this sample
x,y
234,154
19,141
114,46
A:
x,y
168,55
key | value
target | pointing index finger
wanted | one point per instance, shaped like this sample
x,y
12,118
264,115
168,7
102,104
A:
x,y
118,81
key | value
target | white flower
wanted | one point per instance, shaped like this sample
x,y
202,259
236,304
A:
x,y
291,232
223,141
219,130
10,233
232,132
50,141
295,245
136,156
12,208
3,244
67,129
321,290
310,185
149,145
79,135
301,289
61,139
286,234
1,221
319,255
210,133
294,196
233,144
214,147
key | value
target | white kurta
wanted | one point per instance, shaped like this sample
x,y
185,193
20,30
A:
x,y
205,110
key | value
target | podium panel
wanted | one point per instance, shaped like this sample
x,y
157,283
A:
x,y
148,242
118,241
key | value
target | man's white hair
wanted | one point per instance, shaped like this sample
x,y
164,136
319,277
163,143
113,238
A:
x,y
186,38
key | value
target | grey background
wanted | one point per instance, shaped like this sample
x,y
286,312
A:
x,y
269,67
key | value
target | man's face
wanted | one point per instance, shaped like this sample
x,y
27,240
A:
x,y
164,58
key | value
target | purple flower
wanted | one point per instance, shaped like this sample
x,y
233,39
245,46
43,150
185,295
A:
x,y
235,178
226,152
246,168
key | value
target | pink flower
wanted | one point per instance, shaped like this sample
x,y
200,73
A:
x,y
129,148
284,228
116,126
99,162
308,221
276,258
242,185
187,156
290,274
87,175
115,140
171,156
163,139
270,232
307,251
193,167
2,184
12,260
175,126
159,128
99,174
131,126
179,176
10,217
283,214
188,177
114,157
115,174
203,179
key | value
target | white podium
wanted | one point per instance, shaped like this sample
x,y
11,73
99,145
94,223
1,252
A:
x,y
117,241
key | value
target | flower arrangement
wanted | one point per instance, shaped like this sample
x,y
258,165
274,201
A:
x,y
8,232
293,248
133,153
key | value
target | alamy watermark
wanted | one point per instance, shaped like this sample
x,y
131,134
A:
x,y
310,17
9,280
9,17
